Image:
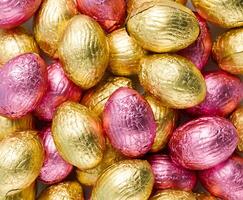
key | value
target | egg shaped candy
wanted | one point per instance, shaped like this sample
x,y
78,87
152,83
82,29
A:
x,y
202,196
173,195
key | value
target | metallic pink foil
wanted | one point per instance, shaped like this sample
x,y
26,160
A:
x,y
225,180
54,169
203,143
15,12
59,90
168,175
129,122
23,83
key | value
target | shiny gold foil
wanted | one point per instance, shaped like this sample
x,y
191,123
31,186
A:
x,y
78,135
50,22
165,120
228,51
14,42
173,195
163,26
21,158
174,80
128,179
96,98
84,51
69,190
225,13
125,53
204,197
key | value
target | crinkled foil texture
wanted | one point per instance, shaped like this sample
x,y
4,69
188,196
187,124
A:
x,y
237,119
173,195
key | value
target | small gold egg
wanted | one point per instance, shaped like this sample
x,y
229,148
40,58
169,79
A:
x,y
173,195
201,196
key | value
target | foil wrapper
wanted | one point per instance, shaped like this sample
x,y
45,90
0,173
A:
x,y
173,195
201,196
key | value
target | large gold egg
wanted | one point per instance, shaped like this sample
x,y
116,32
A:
x,y
201,196
173,195
96,98
174,80
21,158
50,22
125,180
228,51
78,135
125,53
163,26
14,42
225,13
84,51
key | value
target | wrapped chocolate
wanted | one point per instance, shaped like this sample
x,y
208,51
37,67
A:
x,y
129,122
173,79
78,135
128,179
50,23
202,196
21,158
162,26
23,83
168,175
59,90
54,169
173,195
84,51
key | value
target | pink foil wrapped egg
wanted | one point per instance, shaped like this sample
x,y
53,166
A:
x,y
168,175
129,122
54,169
23,83
59,90
15,12
203,143
225,180
224,93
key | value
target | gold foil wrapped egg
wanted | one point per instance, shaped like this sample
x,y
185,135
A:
x,y
50,22
21,158
14,42
84,51
201,196
128,179
174,80
125,53
225,13
163,26
173,195
78,135
96,98
228,51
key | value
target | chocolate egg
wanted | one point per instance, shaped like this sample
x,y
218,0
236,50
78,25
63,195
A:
x,y
15,12
50,23
203,143
163,26
201,196
227,14
14,42
23,83
21,158
225,180
68,190
199,51
173,79
129,122
54,169
125,53
224,93
84,51
173,195
168,175
78,135
228,51
96,98
129,179
59,90
165,119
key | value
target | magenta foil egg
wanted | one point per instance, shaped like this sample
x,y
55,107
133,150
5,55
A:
x,y
54,169
59,90
23,83
224,93
203,143
225,180
129,122
15,12
168,175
